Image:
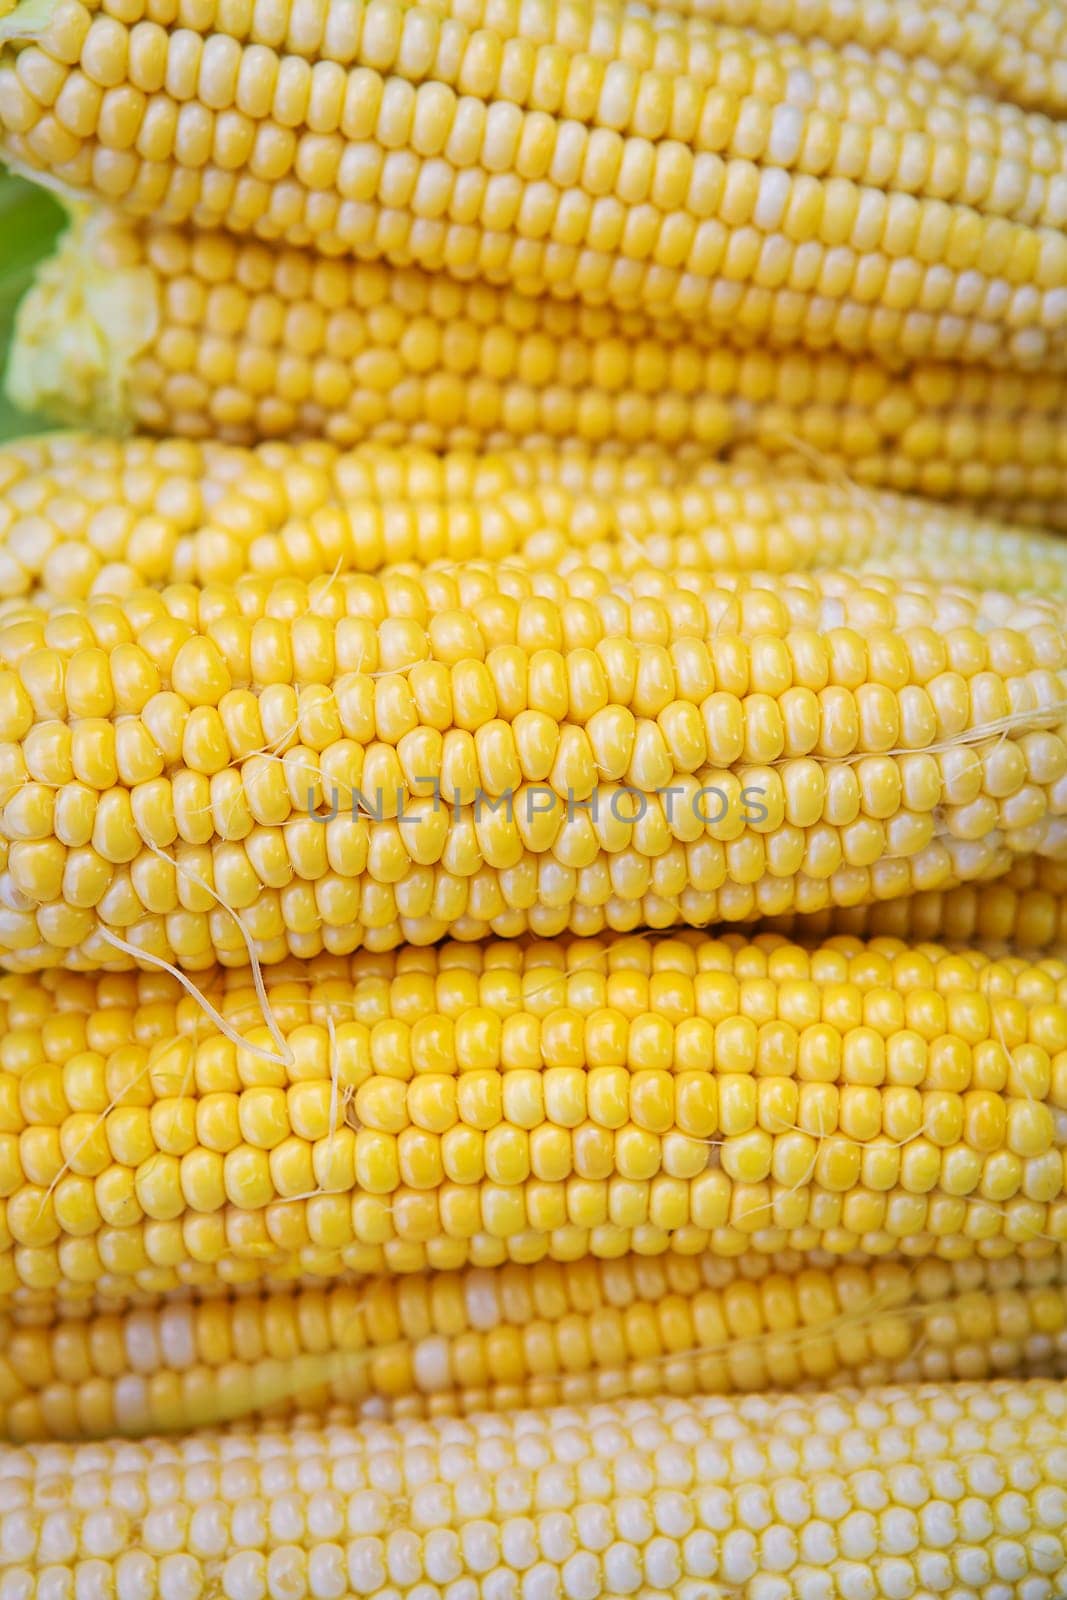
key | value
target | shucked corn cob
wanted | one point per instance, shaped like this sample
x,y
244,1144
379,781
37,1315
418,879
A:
x,y
479,1104
646,162
1016,52
87,516
477,750
207,335
941,1489
522,1336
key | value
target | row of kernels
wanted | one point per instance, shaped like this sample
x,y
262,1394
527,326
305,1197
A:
x,y
676,44
513,710
696,883
939,54
511,1178
275,1244
980,630
752,698
676,41
101,850
690,881
412,1231
249,1151
370,535
507,605
53,1017
926,1020
241,391
721,527
542,777
538,896
140,500
332,816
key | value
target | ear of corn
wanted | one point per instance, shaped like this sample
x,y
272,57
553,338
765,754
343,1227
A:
x,y
202,334
659,165
85,517
477,750
516,1101
932,1490
516,1337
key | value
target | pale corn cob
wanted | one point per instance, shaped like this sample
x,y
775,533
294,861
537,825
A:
x,y
515,1337
84,516
201,334
954,1489
513,1101
655,163
361,760
1023,911
1015,52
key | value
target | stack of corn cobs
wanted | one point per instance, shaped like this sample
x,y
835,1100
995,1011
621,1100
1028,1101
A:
x,y
533,803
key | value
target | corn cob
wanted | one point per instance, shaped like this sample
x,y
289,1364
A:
x,y
532,1336
205,335
940,1489
1024,910
479,1104
83,516
1013,52
663,165
359,760
478,750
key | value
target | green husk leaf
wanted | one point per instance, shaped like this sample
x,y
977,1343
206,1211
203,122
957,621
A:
x,y
30,220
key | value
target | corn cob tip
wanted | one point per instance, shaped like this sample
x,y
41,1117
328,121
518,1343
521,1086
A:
x,y
79,327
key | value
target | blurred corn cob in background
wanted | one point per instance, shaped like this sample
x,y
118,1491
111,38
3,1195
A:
x,y
649,162
198,333
506,1338
84,515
